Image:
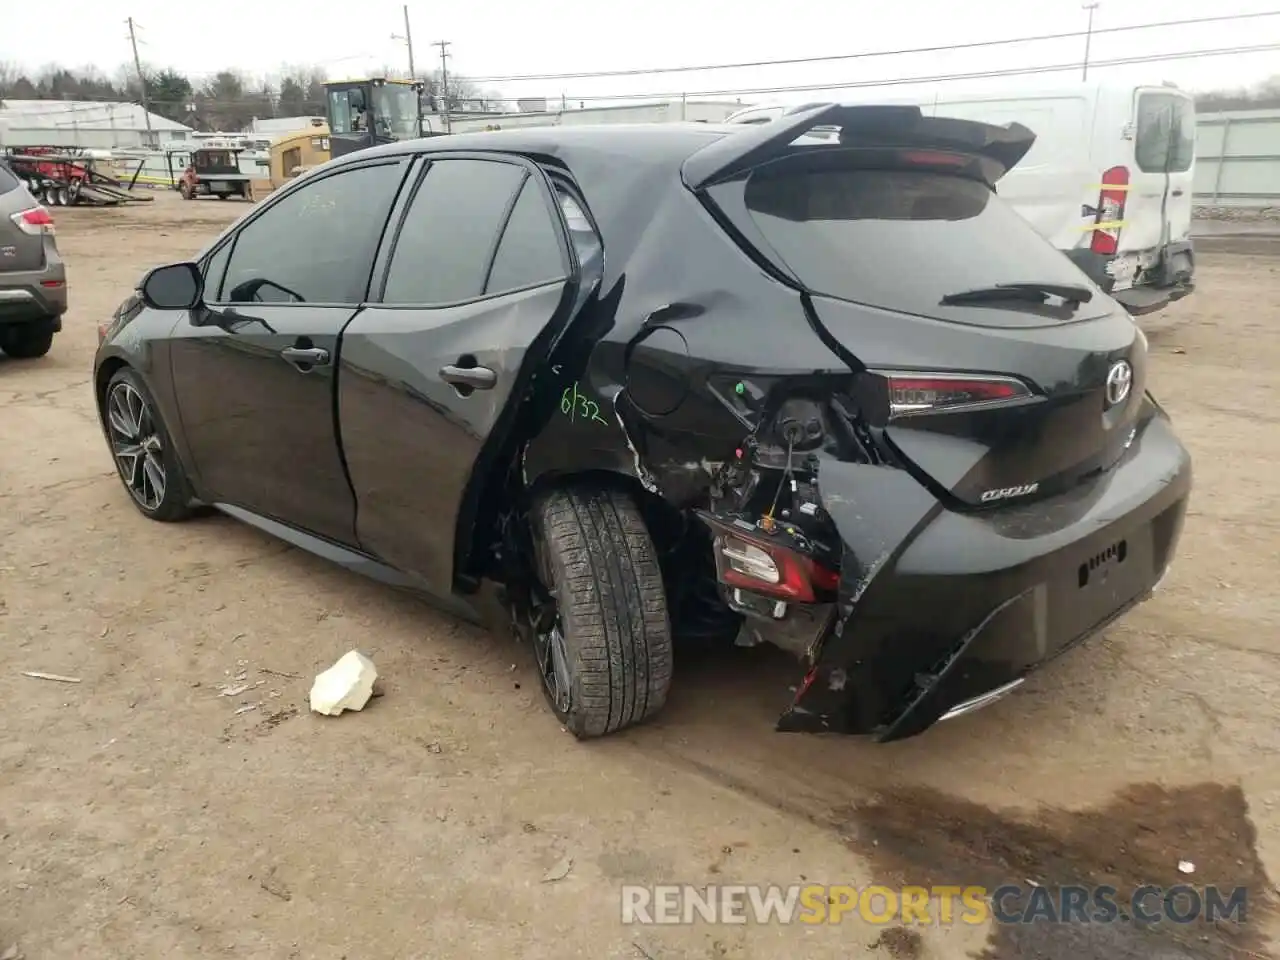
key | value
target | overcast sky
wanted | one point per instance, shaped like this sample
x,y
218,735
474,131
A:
x,y
498,38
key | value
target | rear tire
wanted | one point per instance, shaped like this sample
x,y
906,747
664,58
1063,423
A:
x,y
599,564
26,341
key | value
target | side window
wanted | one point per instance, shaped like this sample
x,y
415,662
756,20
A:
x,y
317,244
215,269
529,252
444,247
582,235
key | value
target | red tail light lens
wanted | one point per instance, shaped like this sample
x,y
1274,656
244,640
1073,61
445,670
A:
x,y
1111,203
33,222
772,570
911,394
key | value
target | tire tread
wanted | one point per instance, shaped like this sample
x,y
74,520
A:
x,y
613,607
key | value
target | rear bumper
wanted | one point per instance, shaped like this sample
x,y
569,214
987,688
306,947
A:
x,y
34,296
942,612
1171,279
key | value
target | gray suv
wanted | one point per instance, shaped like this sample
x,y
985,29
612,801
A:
x,y
33,278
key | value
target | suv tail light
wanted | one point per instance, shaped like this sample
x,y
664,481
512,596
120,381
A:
x,y
771,569
1111,202
33,222
913,394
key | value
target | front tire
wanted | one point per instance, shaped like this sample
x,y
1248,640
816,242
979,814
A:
x,y
604,653
26,341
143,451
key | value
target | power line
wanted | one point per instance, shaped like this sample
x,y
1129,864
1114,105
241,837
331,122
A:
x,y
833,58
809,88
942,78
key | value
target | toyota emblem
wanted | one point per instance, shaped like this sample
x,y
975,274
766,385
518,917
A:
x,y
1119,382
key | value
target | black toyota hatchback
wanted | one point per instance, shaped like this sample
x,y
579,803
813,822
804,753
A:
x,y
674,384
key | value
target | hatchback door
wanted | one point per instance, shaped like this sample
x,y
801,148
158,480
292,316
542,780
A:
x,y
474,291
22,237
1158,208
1006,373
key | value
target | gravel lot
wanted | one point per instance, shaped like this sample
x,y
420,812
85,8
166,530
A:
x,y
142,816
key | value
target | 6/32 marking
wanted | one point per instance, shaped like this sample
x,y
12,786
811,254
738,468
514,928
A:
x,y
575,404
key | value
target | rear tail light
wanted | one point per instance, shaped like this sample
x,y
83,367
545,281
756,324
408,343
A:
x,y
33,222
1108,220
771,569
912,394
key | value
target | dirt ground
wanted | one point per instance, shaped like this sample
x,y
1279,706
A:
x,y
144,815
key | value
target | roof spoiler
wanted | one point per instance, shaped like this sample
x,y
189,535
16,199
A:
x,y
870,125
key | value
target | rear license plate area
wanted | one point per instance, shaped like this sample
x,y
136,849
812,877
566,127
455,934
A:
x,y
1101,583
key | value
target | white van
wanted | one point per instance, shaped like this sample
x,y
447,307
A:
x,y
1108,181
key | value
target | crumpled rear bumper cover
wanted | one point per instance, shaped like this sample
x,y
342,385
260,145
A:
x,y
941,612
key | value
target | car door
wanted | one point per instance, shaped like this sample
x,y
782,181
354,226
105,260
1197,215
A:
x,y
476,286
254,369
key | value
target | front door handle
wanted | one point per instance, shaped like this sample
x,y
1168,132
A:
x,y
306,356
1177,193
478,378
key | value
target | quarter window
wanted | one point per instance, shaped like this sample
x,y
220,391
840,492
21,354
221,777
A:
x,y
215,269
317,244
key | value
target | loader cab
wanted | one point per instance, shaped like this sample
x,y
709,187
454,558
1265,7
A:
x,y
362,113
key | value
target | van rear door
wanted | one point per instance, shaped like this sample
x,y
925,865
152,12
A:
x,y
1158,211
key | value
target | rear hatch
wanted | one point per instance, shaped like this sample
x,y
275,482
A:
x,y
21,244
1007,372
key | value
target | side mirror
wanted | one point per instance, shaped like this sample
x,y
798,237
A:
x,y
176,286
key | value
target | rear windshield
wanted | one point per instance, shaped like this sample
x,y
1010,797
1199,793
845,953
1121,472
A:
x,y
1166,130
7,180
900,239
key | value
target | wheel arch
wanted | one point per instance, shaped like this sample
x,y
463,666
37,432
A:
x,y
102,377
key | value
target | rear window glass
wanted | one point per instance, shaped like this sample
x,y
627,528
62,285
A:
x,y
896,238
7,180
1165,137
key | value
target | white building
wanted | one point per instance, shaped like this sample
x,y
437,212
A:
x,y
84,123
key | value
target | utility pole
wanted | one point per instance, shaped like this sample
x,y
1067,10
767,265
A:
x,y
444,82
1090,5
408,41
142,81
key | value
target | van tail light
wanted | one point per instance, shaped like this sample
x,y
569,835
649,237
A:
x,y
1111,203
913,394
33,222
756,563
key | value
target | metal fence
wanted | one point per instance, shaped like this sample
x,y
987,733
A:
x,y
1238,159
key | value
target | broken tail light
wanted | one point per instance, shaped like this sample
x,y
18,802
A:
x,y
771,569
912,394
33,222
1109,218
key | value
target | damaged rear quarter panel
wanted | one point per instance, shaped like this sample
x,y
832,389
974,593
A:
x,y
649,413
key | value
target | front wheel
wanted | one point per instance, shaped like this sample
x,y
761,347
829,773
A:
x,y
145,457
603,639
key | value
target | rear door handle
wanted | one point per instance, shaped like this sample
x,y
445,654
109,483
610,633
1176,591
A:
x,y
1177,193
306,356
478,378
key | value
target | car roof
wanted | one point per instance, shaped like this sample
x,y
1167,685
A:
x,y
646,143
